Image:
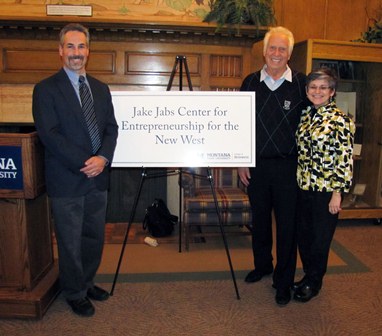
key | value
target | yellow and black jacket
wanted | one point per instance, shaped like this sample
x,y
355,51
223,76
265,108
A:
x,y
325,149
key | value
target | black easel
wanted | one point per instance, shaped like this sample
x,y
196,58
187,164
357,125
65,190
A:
x,y
218,213
180,61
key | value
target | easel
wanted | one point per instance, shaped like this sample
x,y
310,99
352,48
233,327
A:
x,y
180,61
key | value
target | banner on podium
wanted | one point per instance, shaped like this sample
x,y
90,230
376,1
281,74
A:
x,y
11,173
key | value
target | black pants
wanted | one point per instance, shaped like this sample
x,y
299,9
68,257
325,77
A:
x,y
315,231
273,187
80,227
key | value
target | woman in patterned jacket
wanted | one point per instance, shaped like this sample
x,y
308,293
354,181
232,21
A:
x,y
325,138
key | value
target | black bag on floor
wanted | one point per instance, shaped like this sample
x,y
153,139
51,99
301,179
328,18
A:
x,y
158,219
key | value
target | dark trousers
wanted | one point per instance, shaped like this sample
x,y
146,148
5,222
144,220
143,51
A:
x,y
80,229
273,187
315,231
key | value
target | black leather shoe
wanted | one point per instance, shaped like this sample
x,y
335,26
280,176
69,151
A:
x,y
82,307
97,294
256,275
305,293
298,284
282,297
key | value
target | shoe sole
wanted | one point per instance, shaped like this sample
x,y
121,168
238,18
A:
x,y
302,300
257,280
98,298
282,304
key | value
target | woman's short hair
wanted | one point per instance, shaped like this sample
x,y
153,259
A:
x,y
324,73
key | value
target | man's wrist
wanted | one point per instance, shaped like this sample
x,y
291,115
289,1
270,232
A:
x,y
106,160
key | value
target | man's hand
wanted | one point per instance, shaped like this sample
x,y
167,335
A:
x,y
94,166
244,175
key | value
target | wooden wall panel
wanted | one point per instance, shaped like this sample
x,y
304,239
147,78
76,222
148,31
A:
x,y
342,20
223,67
158,63
305,18
48,61
345,19
226,66
124,66
21,64
102,62
16,103
23,61
38,60
155,69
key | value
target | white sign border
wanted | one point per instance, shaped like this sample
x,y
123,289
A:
x,y
148,96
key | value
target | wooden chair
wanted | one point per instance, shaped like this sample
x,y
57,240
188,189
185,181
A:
x,y
199,208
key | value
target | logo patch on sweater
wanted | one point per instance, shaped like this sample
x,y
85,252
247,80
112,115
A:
x,y
287,105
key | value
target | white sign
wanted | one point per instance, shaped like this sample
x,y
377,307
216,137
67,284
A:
x,y
185,129
76,10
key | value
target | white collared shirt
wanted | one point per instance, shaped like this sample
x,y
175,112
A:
x,y
275,84
73,76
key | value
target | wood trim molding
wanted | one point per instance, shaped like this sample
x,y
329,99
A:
x,y
201,33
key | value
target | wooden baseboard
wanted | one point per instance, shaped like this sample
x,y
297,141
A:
x,y
30,304
355,213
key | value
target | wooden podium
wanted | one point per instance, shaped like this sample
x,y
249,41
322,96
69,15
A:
x,y
28,274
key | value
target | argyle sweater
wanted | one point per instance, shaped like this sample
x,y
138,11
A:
x,y
277,114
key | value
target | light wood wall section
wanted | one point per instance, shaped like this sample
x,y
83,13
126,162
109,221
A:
x,y
342,20
123,65
136,57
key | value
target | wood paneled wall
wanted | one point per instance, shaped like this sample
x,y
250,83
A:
x,y
123,65
126,61
141,58
342,20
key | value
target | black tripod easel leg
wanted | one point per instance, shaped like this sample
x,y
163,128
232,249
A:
x,y
209,177
187,73
180,226
180,62
132,215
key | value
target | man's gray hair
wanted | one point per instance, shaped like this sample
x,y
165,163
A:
x,y
74,27
279,30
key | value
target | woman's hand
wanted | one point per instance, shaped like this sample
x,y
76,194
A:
x,y
335,203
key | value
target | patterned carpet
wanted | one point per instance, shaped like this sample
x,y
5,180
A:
x,y
192,293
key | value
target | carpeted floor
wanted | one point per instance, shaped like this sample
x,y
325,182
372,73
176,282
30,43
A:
x,y
163,292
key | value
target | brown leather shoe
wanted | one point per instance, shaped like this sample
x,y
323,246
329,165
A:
x,y
97,294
